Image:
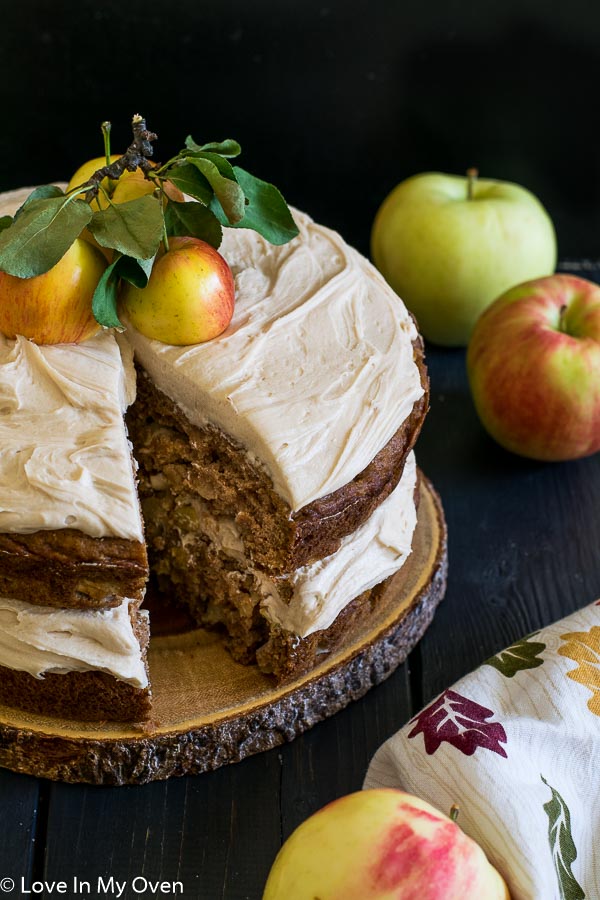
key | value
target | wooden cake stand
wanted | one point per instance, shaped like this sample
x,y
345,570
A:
x,y
209,710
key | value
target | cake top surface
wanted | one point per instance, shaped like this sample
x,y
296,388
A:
x,y
314,374
65,461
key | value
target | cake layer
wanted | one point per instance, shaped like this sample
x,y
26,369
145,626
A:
x,y
376,550
86,695
70,569
180,460
202,563
316,372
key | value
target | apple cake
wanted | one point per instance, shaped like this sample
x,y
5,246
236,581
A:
x,y
276,478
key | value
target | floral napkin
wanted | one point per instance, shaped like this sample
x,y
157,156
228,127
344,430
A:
x,y
517,745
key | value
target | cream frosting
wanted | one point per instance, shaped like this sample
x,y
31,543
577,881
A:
x,y
39,640
315,372
79,474
65,460
376,550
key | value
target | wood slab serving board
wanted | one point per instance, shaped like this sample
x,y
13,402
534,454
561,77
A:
x,y
209,710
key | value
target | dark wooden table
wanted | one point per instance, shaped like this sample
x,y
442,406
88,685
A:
x,y
524,544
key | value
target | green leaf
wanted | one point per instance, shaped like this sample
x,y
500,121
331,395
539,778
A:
x,y
229,147
41,235
189,180
520,656
135,271
105,299
43,192
562,845
221,176
134,228
223,165
106,296
5,222
195,220
266,212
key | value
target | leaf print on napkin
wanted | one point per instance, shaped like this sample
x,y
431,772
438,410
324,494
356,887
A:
x,y
584,648
562,845
460,722
522,655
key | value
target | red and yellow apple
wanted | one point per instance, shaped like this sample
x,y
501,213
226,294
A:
x,y
189,297
534,368
382,845
450,245
56,307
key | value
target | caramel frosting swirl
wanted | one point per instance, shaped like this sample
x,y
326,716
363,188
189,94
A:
x,y
65,461
38,640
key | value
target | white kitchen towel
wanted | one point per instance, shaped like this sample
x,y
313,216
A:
x,y
516,744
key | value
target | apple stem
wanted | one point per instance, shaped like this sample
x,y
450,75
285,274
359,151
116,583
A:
x,y
165,237
106,126
472,176
454,811
562,316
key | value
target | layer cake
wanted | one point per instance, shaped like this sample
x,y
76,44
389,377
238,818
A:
x,y
276,477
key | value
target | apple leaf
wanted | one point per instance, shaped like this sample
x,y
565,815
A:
x,y
221,177
5,222
41,235
135,271
43,192
266,210
134,228
192,182
195,220
106,296
227,147
104,301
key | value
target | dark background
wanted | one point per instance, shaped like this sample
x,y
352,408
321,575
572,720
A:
x,y
335,101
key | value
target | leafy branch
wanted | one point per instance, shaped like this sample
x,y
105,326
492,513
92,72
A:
x,y
222,195
135,157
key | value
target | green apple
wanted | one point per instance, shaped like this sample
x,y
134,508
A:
x,y
189,297
534,368
56,307
450,245
382,844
